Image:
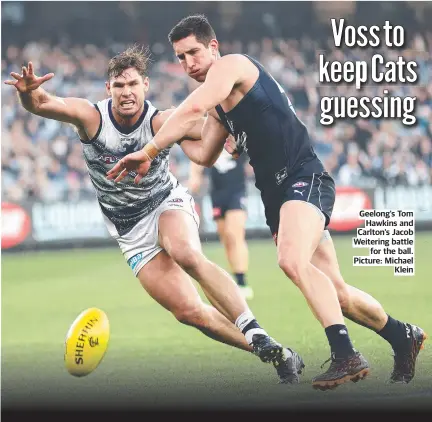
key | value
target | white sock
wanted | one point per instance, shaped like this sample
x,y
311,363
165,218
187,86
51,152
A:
x,y
243,321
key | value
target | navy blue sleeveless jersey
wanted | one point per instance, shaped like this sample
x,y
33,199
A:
x,y
265,124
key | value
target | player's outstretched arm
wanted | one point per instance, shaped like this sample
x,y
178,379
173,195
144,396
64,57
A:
x,y
36,100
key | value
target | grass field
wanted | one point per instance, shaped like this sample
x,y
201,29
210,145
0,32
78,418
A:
x,y
155,362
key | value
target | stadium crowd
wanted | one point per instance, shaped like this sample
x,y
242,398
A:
x,y
42,158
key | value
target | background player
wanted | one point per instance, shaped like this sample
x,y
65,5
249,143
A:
x,y
240,96
228,196
160,243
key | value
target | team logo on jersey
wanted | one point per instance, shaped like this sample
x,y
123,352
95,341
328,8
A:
x,y
107,158
128,145
300,185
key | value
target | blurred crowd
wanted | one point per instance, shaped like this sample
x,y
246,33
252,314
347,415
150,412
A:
x,y
42,158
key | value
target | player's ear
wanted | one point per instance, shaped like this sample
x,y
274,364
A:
x,y
108,88
146,84
214,46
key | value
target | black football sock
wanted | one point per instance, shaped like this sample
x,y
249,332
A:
x,y
240,278
396,333
339,341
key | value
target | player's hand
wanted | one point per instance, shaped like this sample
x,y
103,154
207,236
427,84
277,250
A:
x,y
231,147
28,81
137,162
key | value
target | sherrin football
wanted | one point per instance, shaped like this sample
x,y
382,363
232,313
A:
x,y
86,342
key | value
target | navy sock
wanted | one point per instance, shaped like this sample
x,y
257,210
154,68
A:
x,y
241,279
339,341
395,332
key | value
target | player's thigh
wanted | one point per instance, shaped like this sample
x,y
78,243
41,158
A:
x,y
178,222
300,229
235,214
141,244
168,284
178,230
305,214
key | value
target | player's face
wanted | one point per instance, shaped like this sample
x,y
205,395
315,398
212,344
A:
x,y
196,58
128,92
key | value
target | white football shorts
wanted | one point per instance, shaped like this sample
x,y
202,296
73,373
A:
x,y
141,244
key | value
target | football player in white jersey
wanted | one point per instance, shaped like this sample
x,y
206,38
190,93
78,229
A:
x,y
154,221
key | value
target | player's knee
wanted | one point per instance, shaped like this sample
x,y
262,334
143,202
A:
x,y
230,240
190,314
293,268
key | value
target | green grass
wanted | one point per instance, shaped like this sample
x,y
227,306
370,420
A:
x,y
153,361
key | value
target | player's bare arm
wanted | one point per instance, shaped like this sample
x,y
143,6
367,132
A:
x,y
204,142
220,81
76,111
206,151
193,134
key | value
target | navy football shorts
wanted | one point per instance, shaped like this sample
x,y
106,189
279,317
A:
x,y
227,201
318,189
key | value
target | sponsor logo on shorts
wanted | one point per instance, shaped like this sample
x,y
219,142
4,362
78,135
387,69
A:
x,y
300,184
299,191
175,200
135,260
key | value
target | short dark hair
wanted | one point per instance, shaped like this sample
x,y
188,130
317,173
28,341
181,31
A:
x,y
135,56
197,25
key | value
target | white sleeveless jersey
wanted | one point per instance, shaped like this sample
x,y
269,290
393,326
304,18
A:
x,y
124,203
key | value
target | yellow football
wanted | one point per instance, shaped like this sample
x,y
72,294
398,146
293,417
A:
x,y
86,342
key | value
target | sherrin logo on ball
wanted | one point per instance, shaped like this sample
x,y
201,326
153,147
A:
x,y
86,342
